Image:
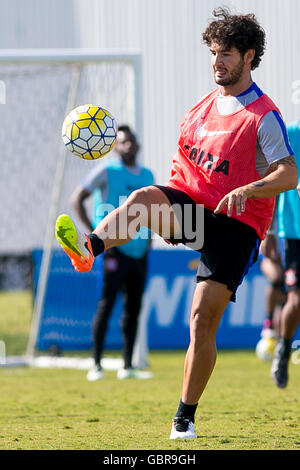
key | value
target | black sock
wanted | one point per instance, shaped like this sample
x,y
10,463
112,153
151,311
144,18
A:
x,y
186,411
285,347
97,244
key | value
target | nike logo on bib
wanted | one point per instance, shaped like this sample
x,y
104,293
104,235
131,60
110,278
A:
x,y
202,132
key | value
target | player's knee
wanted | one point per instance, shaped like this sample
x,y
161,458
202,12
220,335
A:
x,y
139,202
294,300
139,196
202,325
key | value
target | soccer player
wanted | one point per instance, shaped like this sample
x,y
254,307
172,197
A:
x,y
272,269
233,157
288,226
124,267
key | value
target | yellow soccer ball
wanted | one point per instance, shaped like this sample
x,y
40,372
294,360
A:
x,y
265,348
89,131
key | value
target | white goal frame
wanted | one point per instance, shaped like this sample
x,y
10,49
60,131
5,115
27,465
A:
x,y
76,58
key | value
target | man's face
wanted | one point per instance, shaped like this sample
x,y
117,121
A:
x,y
228,65
126,146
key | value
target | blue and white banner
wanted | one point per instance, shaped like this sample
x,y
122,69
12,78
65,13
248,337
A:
x,y
168,299
72,298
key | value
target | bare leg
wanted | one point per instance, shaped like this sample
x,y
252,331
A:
x,y
290,315
275,297
290,319
272,270
209,302
147,207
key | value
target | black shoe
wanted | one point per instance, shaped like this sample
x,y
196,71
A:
x,y
182,428
279,369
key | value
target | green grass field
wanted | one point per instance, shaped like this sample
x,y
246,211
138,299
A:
x,y
58,409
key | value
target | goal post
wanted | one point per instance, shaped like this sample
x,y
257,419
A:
x,y
42,86
79,58
49,235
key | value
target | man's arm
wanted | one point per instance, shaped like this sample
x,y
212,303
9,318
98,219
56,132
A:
x,y
283,177
95,179
77,200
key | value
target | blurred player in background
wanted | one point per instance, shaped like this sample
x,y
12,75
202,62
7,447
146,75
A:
x,y
233,157
124,267
275,295
272,269
288,222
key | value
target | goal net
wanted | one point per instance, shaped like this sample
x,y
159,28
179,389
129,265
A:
x,y
38,174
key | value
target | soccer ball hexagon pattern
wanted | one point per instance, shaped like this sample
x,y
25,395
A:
x,y
89,131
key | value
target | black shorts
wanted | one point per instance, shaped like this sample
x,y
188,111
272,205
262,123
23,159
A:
x,y
292,264
230,247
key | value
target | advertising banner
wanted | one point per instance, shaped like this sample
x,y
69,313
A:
x,y
72,298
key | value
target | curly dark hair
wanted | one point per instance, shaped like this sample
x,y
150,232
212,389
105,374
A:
x,y
240,31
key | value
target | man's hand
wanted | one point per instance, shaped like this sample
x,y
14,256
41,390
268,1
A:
x,y
282,177
236,198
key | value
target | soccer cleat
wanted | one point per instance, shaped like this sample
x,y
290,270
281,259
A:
x,y
279,368
77,246
95,373
133,374
182,428
279,372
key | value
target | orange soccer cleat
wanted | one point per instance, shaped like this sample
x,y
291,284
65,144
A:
x,y
76,245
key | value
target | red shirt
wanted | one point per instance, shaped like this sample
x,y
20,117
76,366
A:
x,y
216,154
